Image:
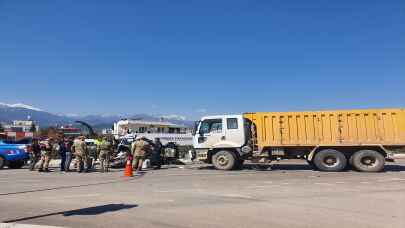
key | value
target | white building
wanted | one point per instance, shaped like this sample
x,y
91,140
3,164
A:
x,y
22,126
20,129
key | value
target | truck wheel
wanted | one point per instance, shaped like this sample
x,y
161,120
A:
x,y
224,160
330,160
368,161
2,162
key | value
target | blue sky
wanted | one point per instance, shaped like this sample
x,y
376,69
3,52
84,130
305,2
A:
x,y
194,58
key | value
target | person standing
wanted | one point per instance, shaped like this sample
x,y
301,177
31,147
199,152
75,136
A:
x,y
46,153
139,149
62,153
80,151
105,150
157,151
35,154
69,155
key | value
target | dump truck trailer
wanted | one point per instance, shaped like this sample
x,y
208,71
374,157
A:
x,y
327,140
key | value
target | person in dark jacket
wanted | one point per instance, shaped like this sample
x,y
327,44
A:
x,y
62,153
156,153
35,155
69,153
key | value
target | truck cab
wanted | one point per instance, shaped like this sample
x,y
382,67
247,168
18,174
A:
x,y
226,135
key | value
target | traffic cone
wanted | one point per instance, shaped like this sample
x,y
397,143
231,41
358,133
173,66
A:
x,y
128,169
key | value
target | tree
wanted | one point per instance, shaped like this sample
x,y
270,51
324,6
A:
x,y
1,128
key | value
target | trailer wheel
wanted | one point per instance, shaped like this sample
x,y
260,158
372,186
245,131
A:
x,y
2,162
330,160
368,161
224,160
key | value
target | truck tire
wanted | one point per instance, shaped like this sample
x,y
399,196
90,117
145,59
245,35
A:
x,y
224,160
368,161
330,160
2,162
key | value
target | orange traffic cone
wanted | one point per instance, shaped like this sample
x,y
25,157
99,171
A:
x,y
128,169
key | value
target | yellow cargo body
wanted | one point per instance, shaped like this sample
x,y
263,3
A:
x,y
329,128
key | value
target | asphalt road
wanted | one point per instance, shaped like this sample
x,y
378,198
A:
x,y
291,195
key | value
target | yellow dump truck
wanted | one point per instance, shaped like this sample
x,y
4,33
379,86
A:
x,y
328,140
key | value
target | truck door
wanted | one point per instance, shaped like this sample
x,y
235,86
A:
x,y
235,131
211,132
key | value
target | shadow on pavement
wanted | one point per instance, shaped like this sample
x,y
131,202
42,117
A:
x,y
394,168
296,167
267,167
291,167
69,187
80,212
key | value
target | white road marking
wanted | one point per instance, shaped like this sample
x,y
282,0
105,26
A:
x,y
390,180
364,182
254,187
396,179
324,184
341,182
174,191
237,196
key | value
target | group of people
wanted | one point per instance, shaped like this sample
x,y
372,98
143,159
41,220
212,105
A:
x,y
143,147
67,148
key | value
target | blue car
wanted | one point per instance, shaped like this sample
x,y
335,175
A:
x,y
13,155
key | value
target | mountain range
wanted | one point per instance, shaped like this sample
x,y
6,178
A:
x,y
10,112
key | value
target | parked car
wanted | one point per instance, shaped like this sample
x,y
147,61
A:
x,y
13,155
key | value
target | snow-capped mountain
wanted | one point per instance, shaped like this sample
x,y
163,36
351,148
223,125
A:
x,y
10,112
19,105
175,117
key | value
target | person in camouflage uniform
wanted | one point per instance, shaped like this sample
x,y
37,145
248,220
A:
x,y
79,149
105,150
35,155
139,149
46,155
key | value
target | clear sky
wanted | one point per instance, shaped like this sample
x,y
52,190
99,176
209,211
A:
x,y
199,57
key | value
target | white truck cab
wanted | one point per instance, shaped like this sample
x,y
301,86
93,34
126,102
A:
x,y
226,134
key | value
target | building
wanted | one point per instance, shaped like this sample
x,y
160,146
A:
x,y
107,131
69,131
20,129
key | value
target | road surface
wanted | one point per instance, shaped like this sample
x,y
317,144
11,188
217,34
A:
x,y
290,195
